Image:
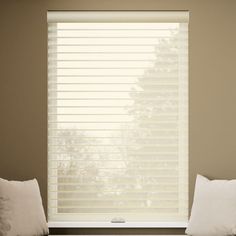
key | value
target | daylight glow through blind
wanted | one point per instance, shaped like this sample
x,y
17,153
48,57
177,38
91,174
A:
x,y
118,116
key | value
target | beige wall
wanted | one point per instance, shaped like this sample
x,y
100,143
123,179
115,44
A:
x,y
23,87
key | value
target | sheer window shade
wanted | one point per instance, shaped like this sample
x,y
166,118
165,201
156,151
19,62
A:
x,y
118,116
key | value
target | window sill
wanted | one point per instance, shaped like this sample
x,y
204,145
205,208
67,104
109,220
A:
x,y
117,225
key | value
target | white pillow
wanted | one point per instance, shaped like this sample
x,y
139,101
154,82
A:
x,y
214,208
21,210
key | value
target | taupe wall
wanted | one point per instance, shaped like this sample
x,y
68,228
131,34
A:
x,y
23,87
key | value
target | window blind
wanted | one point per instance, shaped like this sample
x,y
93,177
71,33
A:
x,y
118,116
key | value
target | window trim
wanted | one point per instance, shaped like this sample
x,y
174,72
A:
x,y
68,16
56,224
119,16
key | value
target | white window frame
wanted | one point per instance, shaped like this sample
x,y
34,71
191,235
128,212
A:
x,y
142,16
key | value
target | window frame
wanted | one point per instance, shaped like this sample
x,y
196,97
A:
x,y
179,16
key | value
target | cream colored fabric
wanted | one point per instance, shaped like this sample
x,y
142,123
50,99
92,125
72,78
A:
x,y
21,210
118,121
214,208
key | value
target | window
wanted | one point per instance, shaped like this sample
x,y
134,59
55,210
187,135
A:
x,y
118,118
